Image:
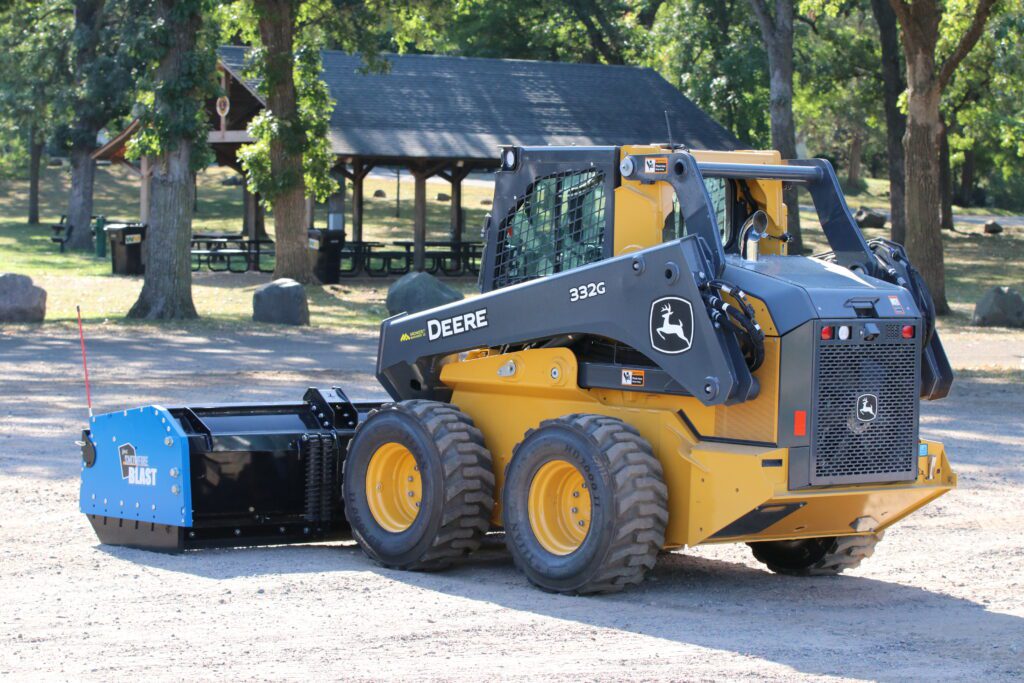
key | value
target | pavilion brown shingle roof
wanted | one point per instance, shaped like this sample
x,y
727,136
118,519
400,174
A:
x,y
442,107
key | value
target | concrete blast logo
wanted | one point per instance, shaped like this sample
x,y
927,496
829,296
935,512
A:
x,y
671,325
135,468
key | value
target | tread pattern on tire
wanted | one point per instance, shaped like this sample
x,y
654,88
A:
x,y
641,500
846,552
469,482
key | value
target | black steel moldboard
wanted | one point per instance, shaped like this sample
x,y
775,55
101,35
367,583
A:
x,y
132,533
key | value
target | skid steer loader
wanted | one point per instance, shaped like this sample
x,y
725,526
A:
x,y
645,369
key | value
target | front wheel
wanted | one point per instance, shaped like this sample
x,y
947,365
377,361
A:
x,y
418,485
585,505
816,556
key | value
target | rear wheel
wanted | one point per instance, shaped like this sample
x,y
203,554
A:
x,y
816,556
585,505
418,485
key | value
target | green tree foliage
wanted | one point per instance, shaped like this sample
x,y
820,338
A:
x,y
711,51
108,41
34,41
984,112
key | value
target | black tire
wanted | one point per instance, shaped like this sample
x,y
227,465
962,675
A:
x,y
629,505
816,556
457,485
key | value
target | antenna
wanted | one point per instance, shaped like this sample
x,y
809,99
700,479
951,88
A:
x,y
85,364
668,125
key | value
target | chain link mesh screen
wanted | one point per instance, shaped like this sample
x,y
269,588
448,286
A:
x,y
559,225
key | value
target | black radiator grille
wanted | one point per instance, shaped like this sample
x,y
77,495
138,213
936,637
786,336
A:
x,y
846,448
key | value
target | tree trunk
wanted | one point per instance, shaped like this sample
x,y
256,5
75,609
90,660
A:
x,y
924,236
277,25
945,181
167,288
893,86
920,22
83,176
35,150
856,152
777,33
967,179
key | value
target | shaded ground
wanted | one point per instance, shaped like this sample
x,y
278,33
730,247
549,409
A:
x,y
942,598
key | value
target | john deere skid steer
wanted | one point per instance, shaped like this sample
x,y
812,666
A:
x,y
645,368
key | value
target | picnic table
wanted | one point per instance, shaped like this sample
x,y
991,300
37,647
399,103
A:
x,y
229,252
451,258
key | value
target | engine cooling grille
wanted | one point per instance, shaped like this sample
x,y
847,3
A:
x,y
866,410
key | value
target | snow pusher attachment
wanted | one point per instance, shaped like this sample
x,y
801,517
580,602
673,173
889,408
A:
x,y
172,479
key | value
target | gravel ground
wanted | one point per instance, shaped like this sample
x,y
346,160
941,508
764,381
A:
x,y
943,598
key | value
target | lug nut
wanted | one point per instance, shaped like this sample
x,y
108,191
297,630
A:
x,y
411,494
575,494
575,510
581,523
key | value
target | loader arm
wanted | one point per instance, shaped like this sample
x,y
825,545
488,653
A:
x,y
648,300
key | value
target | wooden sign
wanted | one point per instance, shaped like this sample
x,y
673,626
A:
x,y
223,106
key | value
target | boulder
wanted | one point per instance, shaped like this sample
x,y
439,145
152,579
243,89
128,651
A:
x,y
1000,307
417,292
281,301
485,202
992,227
443,197
380,194
20,300
869,218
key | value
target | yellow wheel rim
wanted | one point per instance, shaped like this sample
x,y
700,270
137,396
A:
x,y
393,487
559,506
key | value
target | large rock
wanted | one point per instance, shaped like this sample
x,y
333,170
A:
x,y
1000,307
869,218
417,292
20,300
281,301
380,193
992,227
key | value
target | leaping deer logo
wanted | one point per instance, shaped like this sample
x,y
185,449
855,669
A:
x,y
671,325
867,407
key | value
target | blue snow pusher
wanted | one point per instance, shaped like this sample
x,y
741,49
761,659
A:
x,y
172,479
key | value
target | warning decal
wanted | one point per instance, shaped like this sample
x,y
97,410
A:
x,y
656,165
632,378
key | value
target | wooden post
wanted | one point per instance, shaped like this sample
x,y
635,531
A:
x,y
357,200
420,221
248,213
336,202
458,174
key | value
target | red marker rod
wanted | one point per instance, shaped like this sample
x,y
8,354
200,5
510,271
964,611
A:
x,y
85,364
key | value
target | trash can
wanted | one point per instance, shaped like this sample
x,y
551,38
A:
x,y
326,246
99,236
126,248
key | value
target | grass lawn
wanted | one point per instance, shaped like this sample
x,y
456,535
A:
x,y
974,261
222,299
